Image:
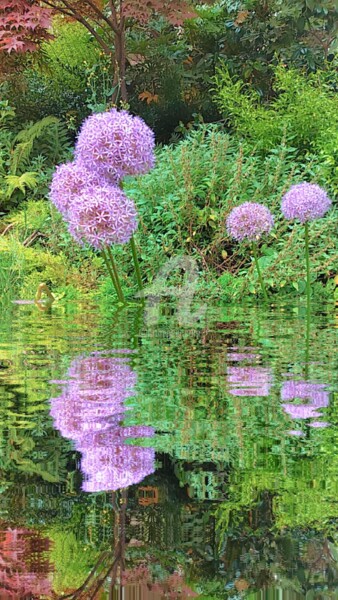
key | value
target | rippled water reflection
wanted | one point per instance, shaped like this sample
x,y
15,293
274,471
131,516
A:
x,y
153,462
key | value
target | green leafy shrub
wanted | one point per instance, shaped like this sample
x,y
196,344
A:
x,y
26,156
304,109
183,204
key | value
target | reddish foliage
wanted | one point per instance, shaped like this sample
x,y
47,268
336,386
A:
x,y
23,24
24,566
176,11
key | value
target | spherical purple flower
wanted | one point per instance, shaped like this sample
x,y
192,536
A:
x,y
69,181
102,216
305,202
249,221
116,143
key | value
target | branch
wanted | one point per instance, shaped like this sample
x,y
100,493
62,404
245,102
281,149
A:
x,y
108,21
72,12
113,12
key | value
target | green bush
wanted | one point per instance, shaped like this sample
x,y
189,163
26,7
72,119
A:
x,y
183,204
304,109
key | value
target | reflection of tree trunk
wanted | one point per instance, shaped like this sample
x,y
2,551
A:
x,y
116,588
104,566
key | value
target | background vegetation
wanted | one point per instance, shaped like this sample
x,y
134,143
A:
x,y
245,94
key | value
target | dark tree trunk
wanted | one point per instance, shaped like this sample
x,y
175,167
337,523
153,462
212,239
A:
x,y
120,93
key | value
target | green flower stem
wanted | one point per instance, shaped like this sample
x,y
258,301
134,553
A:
x,y
254,249
136,264
116,275
106,261
307,258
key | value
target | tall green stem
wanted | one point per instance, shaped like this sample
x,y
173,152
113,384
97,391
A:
x,y
136,264
307,258
106,261
254,248
116,275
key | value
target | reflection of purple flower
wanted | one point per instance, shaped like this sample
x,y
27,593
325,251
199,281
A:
x,y
90,411
299,411
115,143
315,393
249,381
237,354
102,216
249,221
305,202
296,432
319,424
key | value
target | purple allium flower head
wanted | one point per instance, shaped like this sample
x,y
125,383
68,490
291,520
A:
x,y
90,411
116,143
306,202
249,221
102,216
249,381
69,181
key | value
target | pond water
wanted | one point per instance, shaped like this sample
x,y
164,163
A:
x,y
146,462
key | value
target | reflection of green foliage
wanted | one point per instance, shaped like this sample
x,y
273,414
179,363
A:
x,y
72,559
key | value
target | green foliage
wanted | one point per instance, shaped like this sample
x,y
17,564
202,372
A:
x,y
72,559
185,200
40,144
304,109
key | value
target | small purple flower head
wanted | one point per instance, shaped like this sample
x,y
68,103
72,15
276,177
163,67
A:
x,y
305,202
102,216
249,221
69,181
116,143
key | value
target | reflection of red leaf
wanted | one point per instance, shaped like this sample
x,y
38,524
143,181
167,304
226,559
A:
x,y
24,565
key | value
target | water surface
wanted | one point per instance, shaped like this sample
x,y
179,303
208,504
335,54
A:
x,y
165,461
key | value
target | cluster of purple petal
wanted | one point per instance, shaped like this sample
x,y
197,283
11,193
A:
x,y
110,146
90,411
117,143
68,183
305,202
249,221
102,217
314,394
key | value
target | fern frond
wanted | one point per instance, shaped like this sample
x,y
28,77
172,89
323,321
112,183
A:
x,y
22,182
20,156
48,137
35,130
